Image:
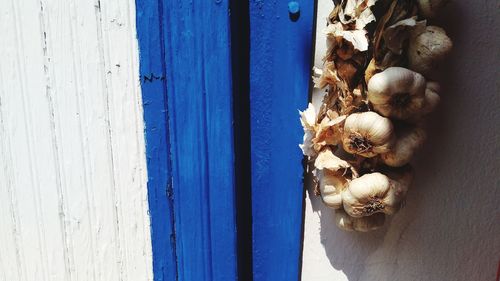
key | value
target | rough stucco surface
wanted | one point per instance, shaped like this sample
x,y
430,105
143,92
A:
x,y
449,229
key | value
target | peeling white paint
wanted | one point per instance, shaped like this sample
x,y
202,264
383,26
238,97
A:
x,y
73,202
450,228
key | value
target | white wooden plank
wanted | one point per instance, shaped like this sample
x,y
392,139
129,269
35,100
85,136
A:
x,y
72,173
26,123
66,85
10,268
117,19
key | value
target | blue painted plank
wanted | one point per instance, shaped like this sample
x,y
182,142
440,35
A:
x,y
280,67
199,92
152,75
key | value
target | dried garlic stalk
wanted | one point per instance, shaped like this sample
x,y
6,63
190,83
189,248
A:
x,y
380,57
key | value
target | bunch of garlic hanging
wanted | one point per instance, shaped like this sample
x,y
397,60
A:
x,y
377,74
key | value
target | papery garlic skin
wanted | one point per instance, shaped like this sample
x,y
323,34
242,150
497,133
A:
x,y
331,185
363,224
430,8
427,49
377,80
308,121
407,142
374,193
397,92
328,132
308,117
326,160
367,134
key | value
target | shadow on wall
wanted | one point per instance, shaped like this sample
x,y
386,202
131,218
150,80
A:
x,y
449,227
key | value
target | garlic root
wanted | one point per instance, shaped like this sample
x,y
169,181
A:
x,y
374,193
367,134
397,92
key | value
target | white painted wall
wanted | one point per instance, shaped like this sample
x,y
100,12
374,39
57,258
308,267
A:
x,y
73,202
450,228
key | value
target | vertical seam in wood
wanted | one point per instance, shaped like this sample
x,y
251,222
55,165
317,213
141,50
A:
x,y
87,179
6,148
170,181
207,165
57,161
110,138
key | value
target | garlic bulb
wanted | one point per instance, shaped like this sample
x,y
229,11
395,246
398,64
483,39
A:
x,y
331,185
431,97
427,49
377,73
407,142
430,8
397,92
363,224
374,193
367,134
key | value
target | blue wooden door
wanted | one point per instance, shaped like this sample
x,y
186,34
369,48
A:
x,y
222,82
281,34
186,82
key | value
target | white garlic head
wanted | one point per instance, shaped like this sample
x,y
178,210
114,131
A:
x,y
367,134
407,142
397,92
430,8
363,224
427,49
374,193
331,185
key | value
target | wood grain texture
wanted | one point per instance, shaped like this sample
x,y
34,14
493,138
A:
x,y
280,64
186,79
73,177
153,83
199,104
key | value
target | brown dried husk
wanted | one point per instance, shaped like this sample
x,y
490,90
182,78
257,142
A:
x,y
364,37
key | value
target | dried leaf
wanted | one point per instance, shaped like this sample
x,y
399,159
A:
x,y
327,160
328,132
404,9
357,12
379,31
335,12
328,76
397,35
366,16
357,38
371,70
308,117
329,103
347,71
307,144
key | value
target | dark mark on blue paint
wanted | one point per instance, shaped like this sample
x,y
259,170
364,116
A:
x,y
152,77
